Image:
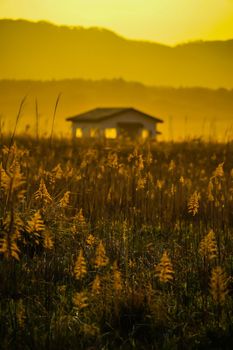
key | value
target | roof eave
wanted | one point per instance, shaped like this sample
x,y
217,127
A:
x,y
77,119
84,120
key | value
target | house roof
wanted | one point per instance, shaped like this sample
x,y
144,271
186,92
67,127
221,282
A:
x,y
99,114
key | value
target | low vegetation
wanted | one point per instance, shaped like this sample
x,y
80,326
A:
x,y
116,245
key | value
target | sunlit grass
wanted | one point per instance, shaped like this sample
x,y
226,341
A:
x,y
115,245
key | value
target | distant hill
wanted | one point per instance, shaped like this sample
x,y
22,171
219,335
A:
x,y
185,111
45,51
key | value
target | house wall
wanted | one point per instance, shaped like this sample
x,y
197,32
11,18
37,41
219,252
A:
x,y
129,117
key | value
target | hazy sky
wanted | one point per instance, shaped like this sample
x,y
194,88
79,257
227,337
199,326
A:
x,y
166,21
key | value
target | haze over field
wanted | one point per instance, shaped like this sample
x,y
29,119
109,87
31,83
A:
x,y
186,111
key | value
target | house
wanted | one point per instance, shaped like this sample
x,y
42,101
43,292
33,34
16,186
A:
x,y
114,122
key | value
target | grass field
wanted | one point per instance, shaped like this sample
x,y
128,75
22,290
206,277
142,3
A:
x,y
116,245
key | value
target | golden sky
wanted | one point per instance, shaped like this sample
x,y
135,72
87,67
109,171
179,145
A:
x,y
165,21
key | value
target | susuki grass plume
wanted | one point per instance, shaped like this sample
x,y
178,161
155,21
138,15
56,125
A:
x,y
193,203
164,270
218,285
80,268
208,246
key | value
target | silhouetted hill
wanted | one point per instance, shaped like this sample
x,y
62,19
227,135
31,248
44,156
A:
x,y
45,51
185,111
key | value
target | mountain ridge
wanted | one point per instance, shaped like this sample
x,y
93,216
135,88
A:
x,y
44,51
103,29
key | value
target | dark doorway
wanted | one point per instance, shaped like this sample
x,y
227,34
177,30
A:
x,y
132,130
